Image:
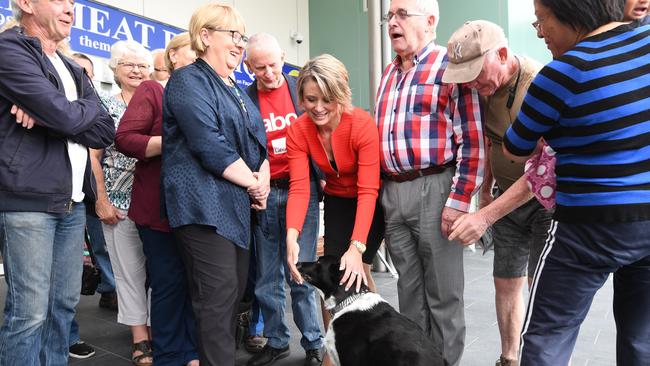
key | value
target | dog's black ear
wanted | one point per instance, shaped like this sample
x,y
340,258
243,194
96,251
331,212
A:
x,y
334,266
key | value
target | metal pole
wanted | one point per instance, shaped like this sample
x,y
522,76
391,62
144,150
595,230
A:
x,y
386,50
374,49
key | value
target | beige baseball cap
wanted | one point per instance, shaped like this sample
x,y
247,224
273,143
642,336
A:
x,y
467,47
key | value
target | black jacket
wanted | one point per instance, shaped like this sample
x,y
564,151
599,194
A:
x,y
35,171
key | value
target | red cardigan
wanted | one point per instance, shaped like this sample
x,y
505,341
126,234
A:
x,y
355,146
141,121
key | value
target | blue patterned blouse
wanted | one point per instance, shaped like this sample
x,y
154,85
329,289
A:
x,y
118,168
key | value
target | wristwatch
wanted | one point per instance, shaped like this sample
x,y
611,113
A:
x,y
361,247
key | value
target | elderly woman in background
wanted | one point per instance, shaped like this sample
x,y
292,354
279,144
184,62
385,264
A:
x,y
130,63
343,141
214,170
590,105
139,136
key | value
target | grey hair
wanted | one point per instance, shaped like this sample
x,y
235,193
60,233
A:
x,y
157,51
263,41
17,11
430,7
121,49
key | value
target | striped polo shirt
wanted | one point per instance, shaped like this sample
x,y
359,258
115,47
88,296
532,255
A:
x,y
592,106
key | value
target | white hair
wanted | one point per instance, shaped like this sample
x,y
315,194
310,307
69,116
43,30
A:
x,y
122,49
430,7
263,41
17,11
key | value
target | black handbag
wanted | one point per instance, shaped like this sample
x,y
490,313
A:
x,y
90,277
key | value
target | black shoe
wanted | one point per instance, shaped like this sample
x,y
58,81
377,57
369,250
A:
x,y
108,300
268,356
313,357
81,350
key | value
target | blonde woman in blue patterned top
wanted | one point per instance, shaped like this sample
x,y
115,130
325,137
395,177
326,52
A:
x,y
130,63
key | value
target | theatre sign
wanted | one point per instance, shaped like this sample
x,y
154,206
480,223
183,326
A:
x,y
96,27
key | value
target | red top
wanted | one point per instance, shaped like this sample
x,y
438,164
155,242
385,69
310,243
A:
x,y
355,146
141,121
278,113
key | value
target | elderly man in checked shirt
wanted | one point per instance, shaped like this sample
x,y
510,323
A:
x,y
431,147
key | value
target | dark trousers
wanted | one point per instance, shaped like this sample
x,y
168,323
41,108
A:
x,y
217,271
575,263
172,322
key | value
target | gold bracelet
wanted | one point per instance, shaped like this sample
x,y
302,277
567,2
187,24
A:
x,y
361,247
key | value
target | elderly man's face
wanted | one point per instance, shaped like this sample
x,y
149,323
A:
x,y
491,76
54,18
160,72
635,9
267,65
87,65
408,35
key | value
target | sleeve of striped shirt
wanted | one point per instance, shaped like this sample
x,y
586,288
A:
x,y
538,114
468,136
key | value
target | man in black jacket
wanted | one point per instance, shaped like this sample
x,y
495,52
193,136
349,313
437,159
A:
x,y
275,95
49,116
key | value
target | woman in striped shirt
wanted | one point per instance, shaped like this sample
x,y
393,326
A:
x,y
590,104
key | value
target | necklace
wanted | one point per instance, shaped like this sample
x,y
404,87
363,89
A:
x,y
122,95
241,100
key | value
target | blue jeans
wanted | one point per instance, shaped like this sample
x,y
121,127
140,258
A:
x,y
173,329
43,264
98,246
74,332
272,272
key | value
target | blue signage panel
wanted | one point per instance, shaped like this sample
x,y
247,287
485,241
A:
x,y
97,27
5,12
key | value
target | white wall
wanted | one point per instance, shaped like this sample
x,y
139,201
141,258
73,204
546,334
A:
x,y
280,18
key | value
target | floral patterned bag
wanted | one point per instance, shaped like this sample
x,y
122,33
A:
x,y
540,176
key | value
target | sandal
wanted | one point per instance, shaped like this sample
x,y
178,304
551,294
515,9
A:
x,y
145,348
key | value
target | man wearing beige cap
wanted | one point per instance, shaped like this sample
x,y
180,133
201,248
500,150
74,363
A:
x,y
479,56
431,154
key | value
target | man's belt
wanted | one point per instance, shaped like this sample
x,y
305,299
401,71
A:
x,y
414,174
282,183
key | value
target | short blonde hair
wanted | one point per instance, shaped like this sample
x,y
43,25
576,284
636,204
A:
x,y
331,77
213,16
179,41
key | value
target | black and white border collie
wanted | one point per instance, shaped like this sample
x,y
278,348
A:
x,y
365,330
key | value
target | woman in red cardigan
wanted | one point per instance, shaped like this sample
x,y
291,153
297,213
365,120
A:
x,y
139,135
343,141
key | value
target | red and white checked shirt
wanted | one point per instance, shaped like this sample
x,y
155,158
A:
x,y
423,122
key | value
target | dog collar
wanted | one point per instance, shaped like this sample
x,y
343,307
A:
x,y
347,301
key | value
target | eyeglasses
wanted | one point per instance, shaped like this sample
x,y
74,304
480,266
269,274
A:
x,y
402,14
237,37
538,25
129,66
